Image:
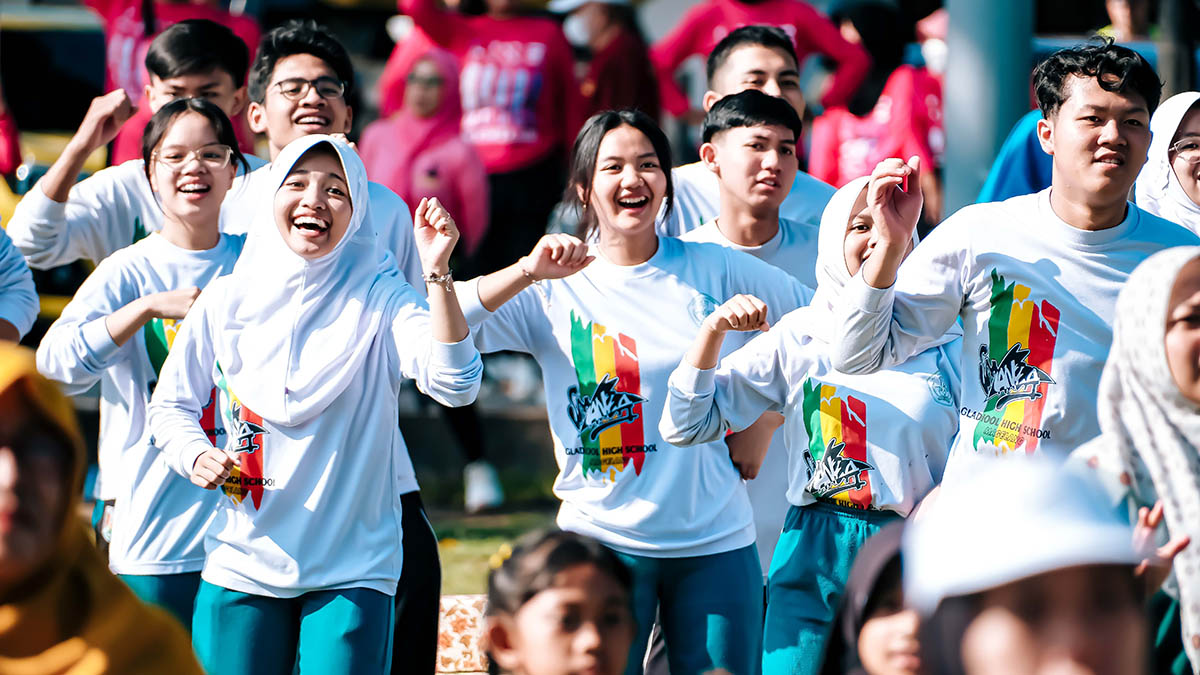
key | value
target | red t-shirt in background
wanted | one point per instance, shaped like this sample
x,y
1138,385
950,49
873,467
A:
x,y
520,98
621,75
906,121
10,144
704,25
126,45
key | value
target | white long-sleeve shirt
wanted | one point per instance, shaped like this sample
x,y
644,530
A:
x,y
793,249
389,216
1036,297
160,517
317,505
877,441
18,296
106,211
698,200
606,339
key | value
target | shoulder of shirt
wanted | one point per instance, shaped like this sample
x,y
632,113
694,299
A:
x,y
813,185
704,234
255,162
1157,228
382,195
129,175
1011,212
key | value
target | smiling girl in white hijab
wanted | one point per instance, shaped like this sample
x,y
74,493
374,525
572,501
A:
x,y
308,344
863,449
1169,183
1150,419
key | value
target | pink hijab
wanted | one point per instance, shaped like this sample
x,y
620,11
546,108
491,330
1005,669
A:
x,y
390,146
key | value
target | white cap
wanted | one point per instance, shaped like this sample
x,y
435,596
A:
x,y
568,6
1006,519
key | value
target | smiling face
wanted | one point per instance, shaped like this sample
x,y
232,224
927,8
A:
x,y
284,120
755,164
215,86
1098,140
1183,331
312,207
628,185
771,71
33,492
186,171
580,625
1187,138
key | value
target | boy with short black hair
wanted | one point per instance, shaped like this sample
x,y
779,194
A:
x,y
59,221
751,57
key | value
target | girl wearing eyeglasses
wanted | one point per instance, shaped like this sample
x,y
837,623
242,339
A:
x,y
117,331
1169,183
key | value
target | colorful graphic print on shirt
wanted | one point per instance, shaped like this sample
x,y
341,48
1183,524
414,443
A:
x,y
160,335
246,433
500,86
1015,368
837,446
606,404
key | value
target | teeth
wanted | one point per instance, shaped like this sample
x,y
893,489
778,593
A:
x,y
194,187
309,222
633,203
310,119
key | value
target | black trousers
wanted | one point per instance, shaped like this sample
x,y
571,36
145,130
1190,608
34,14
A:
x,y
414,645
520,208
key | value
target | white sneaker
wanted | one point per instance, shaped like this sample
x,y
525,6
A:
x,y
482,489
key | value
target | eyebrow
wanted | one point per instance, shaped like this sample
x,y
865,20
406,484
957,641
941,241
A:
x,y
644,155
293,172
1099,108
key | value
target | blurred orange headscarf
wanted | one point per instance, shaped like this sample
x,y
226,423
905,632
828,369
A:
x,y
77,618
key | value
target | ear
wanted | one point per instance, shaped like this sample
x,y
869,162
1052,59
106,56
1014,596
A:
x,y
708,155
256,115
710,97
583,198
349,120
498,642
239,102
1045,135
147,92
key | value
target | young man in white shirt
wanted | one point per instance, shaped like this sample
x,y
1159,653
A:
x,y
1034,279
60,221
751,57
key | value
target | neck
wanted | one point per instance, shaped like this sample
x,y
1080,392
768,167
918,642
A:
x,y
622,249
192,236
1084,215
746,226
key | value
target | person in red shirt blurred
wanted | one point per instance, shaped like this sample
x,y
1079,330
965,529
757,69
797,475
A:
x,y
620,73
10,145
521,109
897,112
703,26
129,26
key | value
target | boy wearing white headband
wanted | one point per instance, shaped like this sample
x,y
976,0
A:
x,y
308,342
1034,279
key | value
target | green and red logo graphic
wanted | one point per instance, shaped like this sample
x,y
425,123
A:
x,y
837,446
246,433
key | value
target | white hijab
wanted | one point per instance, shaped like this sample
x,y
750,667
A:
x,y
832,274
1150,433
1157,189
293,333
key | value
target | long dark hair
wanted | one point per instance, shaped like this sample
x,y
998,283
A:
x,y
165,117
885,34
587,146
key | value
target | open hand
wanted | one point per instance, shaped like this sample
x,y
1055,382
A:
x,y
212,468
436,235
740,313
1156,566
555,256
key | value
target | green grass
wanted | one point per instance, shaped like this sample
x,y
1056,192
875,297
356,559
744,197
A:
x,y
466,543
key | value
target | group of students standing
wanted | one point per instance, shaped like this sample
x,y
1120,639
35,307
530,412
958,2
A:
x,y
250,350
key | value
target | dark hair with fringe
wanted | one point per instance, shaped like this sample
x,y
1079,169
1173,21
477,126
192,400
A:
x,y
761,35
750,108
587,146
162,120
298,37
197,46
1117,69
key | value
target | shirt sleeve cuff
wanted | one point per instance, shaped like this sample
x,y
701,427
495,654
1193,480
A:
x,y
191,453
41,207
98,341
468,298
455,354
690,379
858,293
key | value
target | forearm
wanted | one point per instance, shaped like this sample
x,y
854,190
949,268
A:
x,y
705,351
879,270
127,321
501,286
8,332
57,182
446,321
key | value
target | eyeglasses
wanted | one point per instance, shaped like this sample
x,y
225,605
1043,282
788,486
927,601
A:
x,y
417,80
296,88
213,156
1187,149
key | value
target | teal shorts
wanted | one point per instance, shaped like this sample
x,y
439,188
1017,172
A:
x,y
175,593
337,632
808,575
